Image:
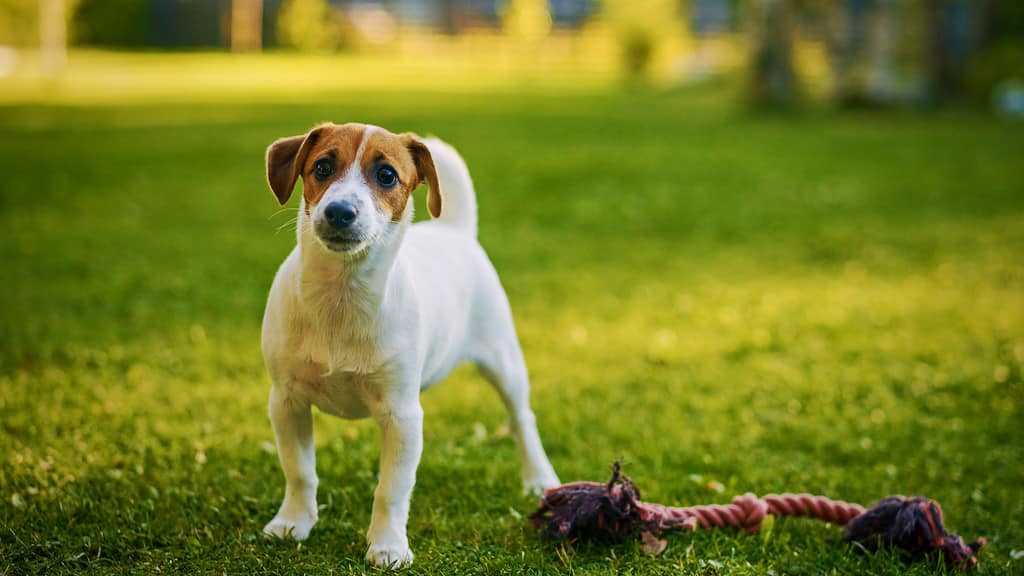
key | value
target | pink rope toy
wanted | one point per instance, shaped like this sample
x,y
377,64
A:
x,y
592,511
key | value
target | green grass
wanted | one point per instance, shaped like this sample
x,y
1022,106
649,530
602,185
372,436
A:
x,y
823,303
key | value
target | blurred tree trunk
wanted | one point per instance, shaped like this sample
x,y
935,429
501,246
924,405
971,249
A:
x,y
642,28
950,37
449,17
935,70
773,81
865,39
881,81
53,35
246,25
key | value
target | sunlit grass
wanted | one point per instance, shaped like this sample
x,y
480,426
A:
x,y
97,77
820,303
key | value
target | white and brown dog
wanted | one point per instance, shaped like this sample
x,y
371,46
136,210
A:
x,y
368,310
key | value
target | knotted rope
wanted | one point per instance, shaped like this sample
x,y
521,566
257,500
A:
x,y
747,511
588,510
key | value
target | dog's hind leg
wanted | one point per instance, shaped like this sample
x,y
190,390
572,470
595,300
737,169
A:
x,y
505,369
293,428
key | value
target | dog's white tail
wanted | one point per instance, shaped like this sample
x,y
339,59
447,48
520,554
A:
x,y
459,208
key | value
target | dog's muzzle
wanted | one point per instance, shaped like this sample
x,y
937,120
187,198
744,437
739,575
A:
x,y
340,214
336,228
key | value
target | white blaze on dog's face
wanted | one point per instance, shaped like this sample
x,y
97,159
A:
x,y
355,180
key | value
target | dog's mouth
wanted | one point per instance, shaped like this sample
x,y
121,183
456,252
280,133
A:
x,y
341,243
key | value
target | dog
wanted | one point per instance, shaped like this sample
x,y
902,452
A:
x,y
369,309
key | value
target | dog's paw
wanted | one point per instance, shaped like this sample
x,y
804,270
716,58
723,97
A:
x,y
538,483
392,556
286,528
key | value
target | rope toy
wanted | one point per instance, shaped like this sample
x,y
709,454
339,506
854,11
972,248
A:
x,y
614,511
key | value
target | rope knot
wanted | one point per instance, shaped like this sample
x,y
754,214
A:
x,y
754,510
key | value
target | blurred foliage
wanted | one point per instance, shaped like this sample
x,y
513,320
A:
x,y
1000,62
528,20
1002,59
19,22
111,23
875,52
642,27
310,25
888,52
1007,20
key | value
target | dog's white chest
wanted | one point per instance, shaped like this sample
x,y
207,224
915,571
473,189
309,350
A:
x,y
342,394
339,375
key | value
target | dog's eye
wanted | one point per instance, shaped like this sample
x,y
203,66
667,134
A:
x,y
323,168
386,176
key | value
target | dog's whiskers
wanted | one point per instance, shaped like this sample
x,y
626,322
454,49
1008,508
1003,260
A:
x,y
290,224
282,211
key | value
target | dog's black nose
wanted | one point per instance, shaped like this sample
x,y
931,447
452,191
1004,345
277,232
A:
x,y
340,214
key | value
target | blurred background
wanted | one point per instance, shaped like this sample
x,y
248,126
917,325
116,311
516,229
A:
x,y
775,52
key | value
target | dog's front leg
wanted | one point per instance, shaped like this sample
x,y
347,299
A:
x,y
293,428
401,426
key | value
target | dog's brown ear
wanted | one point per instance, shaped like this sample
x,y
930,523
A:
x,y
427,173
284,162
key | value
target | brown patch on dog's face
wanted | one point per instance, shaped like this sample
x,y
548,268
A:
x,y
389,169
319,157
329,159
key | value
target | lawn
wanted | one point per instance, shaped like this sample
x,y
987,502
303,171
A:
x,y
726,301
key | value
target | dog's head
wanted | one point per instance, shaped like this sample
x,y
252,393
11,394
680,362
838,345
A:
x,y
355,180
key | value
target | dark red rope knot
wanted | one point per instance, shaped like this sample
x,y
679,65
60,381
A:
x,y
915,526
589,510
